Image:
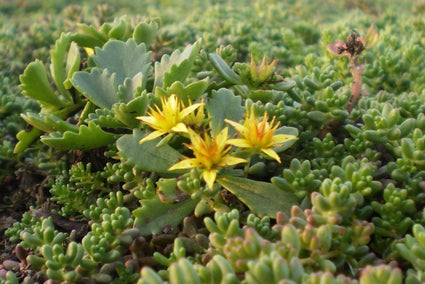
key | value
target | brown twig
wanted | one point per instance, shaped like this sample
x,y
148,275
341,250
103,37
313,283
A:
x,y
356,70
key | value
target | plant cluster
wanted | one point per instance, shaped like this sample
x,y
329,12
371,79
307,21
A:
x,y
180,159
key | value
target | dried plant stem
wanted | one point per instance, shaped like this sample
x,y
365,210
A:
x,y
356,70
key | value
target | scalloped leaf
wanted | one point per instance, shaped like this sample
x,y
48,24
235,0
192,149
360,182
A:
x,y
99,87
88,36
125,59
57,68
25,138
155,215
35,85
48,122
146,156
88,137
187,93
104,118
175,67
224,104
72,63
262,198
131,88
145,32
127,113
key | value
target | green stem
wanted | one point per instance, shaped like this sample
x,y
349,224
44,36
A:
x,y
246,168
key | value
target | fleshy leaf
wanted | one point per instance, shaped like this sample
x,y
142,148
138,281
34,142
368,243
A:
x,y
127,113
131,88
283,85
88,137
146,156
145,32
224,104
57,68
175,67
25,138
191,92
287,144
155,215
35,85
48,122
104,118
125,59
167,190
99,87
72,63
88,36
262,198
120,29
224,70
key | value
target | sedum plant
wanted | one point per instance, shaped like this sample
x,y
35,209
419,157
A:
x,y
172,163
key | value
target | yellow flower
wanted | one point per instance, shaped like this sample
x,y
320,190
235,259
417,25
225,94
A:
x,y
210,155
196,119
169,119
259,135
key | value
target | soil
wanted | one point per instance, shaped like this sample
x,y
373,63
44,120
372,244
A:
x,y
17,195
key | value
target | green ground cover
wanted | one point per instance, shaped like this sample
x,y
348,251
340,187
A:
x,y
212,141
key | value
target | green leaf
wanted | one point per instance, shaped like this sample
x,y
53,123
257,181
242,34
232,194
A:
x,y
88,36
283,85
146,156
167,190
72,63
125,59
57,68
288,131
99,87
191,92
224,104
88,137
261,95
48,122
36,86
262,198
224,70
105,118
25,138
175,67
155,215
316,116
120,29
131,88
145,32
127,113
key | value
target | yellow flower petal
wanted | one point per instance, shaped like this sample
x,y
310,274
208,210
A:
x,y
239,127
168,118
147,119
209,177
180,127
185,164
272,154
222,138
189,109
230,161
152,136
242,143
